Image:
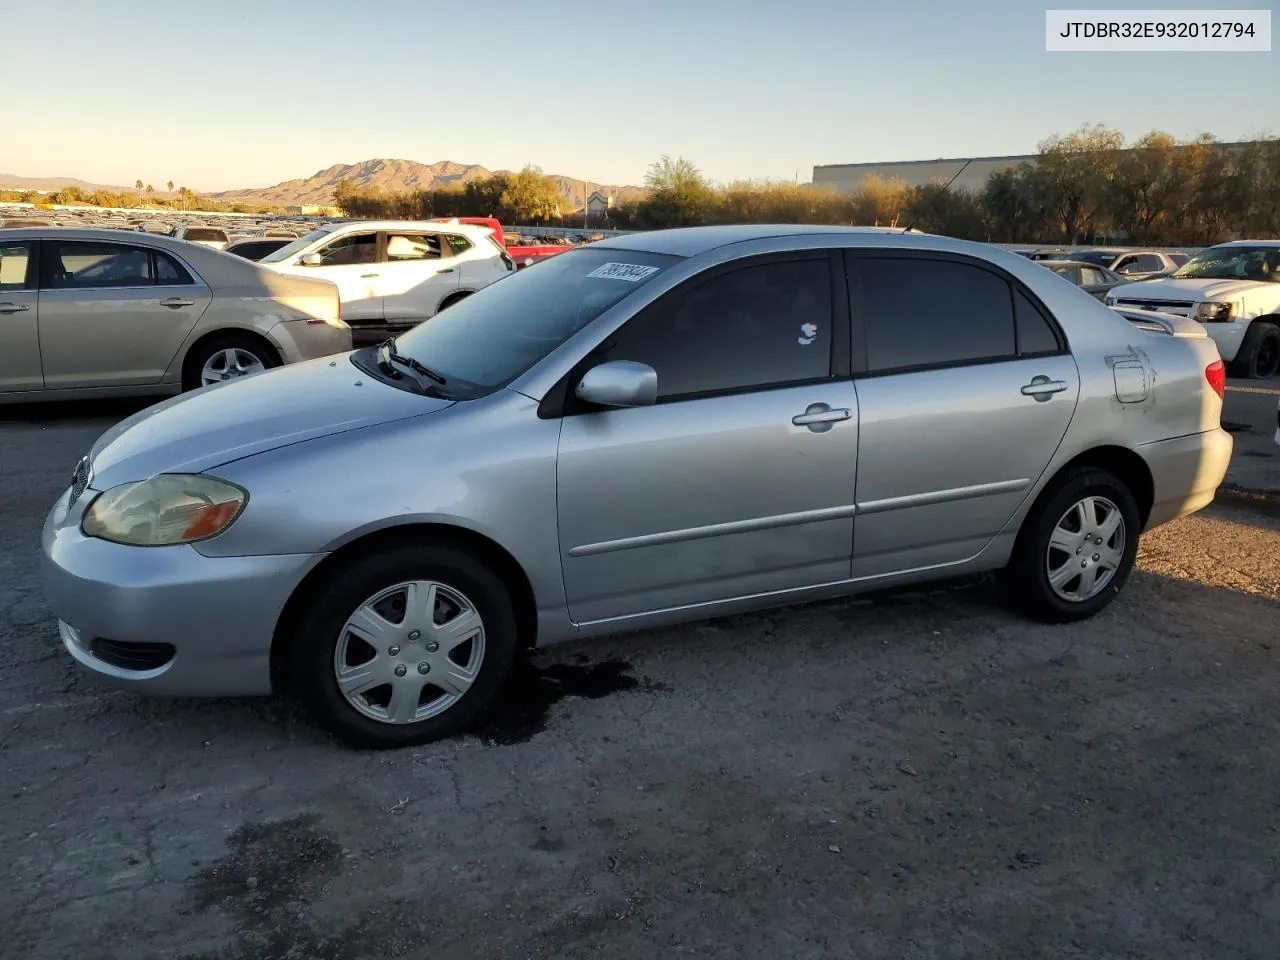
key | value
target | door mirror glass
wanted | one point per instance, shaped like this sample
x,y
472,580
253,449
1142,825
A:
x,y
312,260
619,383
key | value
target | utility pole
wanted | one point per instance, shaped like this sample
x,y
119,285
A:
x,y
586,205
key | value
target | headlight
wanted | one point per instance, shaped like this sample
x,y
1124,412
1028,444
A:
x,y
168,509
1213,312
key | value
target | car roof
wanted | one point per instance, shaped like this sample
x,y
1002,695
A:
x,y
1249,243
691,241
418,226
1072,263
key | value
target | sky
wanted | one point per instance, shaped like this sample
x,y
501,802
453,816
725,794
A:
x,y
247,93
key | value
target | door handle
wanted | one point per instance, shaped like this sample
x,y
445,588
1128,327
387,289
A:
x,y
445,270
368,276
819,417
1042,388
173,303
10,307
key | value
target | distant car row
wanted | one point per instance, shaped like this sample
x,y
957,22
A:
x,y
1127,263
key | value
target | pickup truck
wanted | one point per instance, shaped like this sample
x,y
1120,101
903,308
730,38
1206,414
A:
x,y
523,255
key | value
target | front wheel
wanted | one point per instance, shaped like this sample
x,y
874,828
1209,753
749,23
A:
x,y
1076,548
226,358
404,647
1259,356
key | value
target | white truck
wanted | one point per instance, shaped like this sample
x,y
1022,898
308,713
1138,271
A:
x,y
1234,290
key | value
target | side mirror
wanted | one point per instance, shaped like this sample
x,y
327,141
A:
x,y
312,260
619,383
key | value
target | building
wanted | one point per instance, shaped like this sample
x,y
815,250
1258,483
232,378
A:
x,y
973,171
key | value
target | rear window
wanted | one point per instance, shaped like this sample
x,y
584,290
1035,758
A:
x,y
204,233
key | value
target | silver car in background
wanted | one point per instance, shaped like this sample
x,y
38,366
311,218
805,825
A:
x,y
94,313
657,428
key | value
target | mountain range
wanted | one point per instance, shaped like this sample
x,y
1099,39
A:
x,y
391,176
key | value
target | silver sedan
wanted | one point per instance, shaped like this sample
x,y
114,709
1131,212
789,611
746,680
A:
x,y
93,313
656,428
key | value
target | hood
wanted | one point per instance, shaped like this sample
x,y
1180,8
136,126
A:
x,y
1182,288
215,425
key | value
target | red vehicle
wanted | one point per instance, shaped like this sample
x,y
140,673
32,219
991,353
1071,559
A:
x,y
523,255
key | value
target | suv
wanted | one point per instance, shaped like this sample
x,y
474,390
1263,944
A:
x,y
392,275
1234,290
1133,264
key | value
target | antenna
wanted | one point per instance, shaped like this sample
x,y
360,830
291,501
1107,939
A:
x,y
945,187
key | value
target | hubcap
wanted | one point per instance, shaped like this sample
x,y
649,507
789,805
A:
x,y
228,364
409,652
1085,549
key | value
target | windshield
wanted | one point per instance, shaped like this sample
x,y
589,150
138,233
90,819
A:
x,y
1233,263
304,241
499,332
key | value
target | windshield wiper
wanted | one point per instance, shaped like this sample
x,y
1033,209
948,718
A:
x,y
389,361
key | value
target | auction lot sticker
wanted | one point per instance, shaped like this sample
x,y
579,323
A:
x,y
1158,31
630,272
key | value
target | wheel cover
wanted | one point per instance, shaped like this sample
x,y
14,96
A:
x,y
1085,549
228,364
409,652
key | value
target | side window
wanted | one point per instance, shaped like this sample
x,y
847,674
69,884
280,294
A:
x,y
84,265
354,248
1065,270
1179,258
762,325
1091,276
14,258
169,272
1035,334
1126,265
409,246
921,313
458,245
1149,263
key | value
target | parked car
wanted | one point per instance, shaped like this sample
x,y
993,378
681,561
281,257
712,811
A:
x,y
1234,290
214,237
93,313
657,428
255,248
521,251
1132,264
1095,281
395,274
13,222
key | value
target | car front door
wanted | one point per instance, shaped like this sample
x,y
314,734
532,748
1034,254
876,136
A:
x,y
113,314
739,480
416,276
19,309
965,390
351,263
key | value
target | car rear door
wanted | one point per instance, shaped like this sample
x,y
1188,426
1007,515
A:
x,y
19,311
113,314
418,272
965,390
740,479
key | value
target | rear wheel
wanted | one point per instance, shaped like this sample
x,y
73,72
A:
x,y
226,358
404,647
1259,356
1076,548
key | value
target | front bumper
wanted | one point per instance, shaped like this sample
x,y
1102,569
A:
x,y
218,614
1186,472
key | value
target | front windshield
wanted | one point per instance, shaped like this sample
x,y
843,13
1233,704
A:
x,y
289,249
499,332
1233,263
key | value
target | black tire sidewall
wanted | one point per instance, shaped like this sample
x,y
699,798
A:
x,y
199,356
1266,332
1028,571
311,647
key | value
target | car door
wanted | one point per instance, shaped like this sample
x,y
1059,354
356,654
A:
x,y
350,261
739,480
113,314
965,390
19,312
418,273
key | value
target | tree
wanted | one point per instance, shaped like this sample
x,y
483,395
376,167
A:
x,y
1075,174
171,186
879,201
150,189
679,196
137,185
953,212
531,196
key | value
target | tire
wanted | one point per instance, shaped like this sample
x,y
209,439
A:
x,y
1039,548
1259,356
262,353
386,713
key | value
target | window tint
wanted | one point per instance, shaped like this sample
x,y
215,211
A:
x,y
357,248
169,271
412,246
205,233
13,265
83,265
759,325
920,312
1179,258
458,245
1035,334
1149,263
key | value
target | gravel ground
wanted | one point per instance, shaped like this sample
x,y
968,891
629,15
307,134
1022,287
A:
x,y
914,775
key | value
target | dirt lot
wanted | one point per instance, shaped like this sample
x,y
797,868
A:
x,y
921,775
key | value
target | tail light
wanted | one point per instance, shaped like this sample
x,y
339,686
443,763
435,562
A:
x,y
1216,374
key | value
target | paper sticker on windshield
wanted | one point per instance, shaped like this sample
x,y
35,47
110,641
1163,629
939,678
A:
x,y
630,272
